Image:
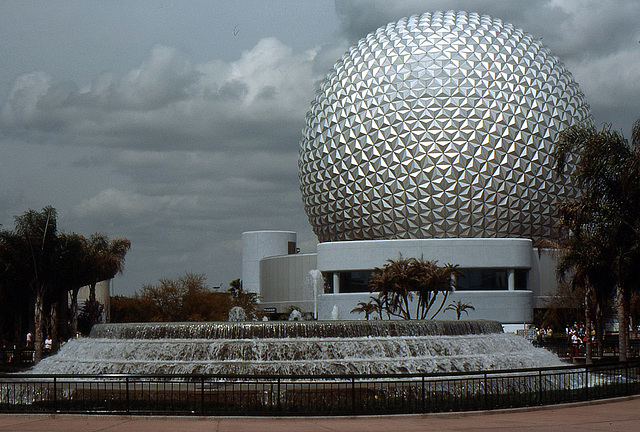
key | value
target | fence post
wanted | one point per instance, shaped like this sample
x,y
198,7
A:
x,y
127,393
626,376
202,394
586,382
353,394
486,392
540,394
424,399
55,394
279,394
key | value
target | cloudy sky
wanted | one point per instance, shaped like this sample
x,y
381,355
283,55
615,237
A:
x,y
176,124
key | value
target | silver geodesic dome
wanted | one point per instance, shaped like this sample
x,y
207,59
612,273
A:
x,y
438,126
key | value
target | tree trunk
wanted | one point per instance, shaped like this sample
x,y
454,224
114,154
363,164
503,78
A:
x,y
38,324
588,358
53,319
17,332
599,330
93,309
74,312
623,323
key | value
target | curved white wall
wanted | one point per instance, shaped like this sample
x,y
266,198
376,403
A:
x,y
261,244
284,282
476,253
507,307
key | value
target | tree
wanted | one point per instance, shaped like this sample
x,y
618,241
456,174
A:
x,y
395,283
458,307
72,273
433,281
36,235
186,298
129,309
602,225
368,308
14,284
246,300
39,266
104,260
400,280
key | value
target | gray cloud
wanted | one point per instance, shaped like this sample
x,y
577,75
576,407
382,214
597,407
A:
x,y
169,103
181,137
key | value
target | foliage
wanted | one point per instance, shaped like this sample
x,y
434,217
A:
x,y
563,307
184,299
104,259
368,308
601,247
458,307
187,298
38,266
400,280
246,300
634,311
90,309
125,309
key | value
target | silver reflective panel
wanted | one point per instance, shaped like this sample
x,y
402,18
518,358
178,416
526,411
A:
x,y
438,126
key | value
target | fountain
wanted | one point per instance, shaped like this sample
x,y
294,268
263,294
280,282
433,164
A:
x,y
237,314
296,347
296,315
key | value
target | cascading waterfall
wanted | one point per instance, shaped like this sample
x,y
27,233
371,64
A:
x,y
296,347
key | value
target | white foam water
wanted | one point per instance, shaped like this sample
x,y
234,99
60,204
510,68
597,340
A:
x,y
291,348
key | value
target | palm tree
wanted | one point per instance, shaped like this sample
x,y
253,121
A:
x,y
14,281
394,284
399,280
432,281
603,223
36,235
105,259
73,272
368,308
458,307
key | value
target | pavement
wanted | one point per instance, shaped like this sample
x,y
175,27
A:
x,y
622,414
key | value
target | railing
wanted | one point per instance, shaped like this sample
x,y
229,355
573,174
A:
x,y
16,356
313,395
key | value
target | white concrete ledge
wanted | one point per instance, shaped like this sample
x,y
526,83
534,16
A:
x,y
467,253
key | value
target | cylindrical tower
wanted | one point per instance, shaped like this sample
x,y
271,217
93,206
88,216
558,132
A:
x,y
261,244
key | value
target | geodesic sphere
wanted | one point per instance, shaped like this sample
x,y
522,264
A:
x,y
438,126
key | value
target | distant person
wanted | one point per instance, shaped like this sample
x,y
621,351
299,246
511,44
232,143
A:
x,y
575,345
29,340
48,345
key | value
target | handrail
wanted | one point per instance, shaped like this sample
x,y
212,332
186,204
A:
x,y
207,394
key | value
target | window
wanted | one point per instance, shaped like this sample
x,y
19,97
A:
x,y
521,279
328,282
291,246
482,280
355,281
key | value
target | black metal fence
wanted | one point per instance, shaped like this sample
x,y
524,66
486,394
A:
x,y
18,357
313,395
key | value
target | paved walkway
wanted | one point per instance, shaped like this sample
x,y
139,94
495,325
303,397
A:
x,y
615,415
